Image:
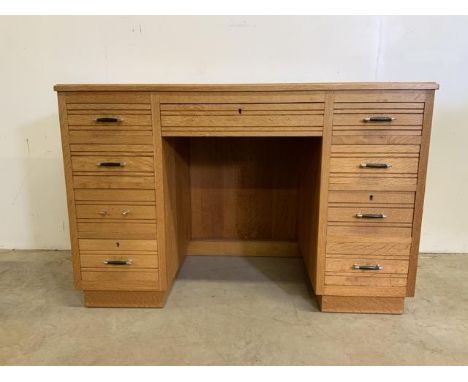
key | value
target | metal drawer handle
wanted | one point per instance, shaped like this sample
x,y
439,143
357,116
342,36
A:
x,y
108,120
111,164
379,118
375,267
375,165
125,212
118,262
360,215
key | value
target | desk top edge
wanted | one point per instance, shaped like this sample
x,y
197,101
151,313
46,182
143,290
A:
x,y
250,87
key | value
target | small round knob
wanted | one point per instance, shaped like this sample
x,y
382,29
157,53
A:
x,y
125,212
103,212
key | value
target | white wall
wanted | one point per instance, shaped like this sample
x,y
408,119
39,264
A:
x,y
37,52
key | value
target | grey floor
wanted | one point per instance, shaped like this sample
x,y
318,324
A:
x,y
226,311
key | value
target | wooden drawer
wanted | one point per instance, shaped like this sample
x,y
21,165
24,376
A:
x,y
121,230
400,121
122,164
111,211
338,265
364,246
107,98
369,183
357,150
239,117
117,245
98,195
117,279
366,280
85,148
118,181
370,215
107,119
371,197
110,137
353,165
135,261
373,137
356,231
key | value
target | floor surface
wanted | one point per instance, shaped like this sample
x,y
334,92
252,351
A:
x,y
226,311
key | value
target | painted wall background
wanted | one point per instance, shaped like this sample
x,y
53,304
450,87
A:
x,y
37,52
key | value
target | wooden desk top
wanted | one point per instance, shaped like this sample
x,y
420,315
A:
x,y
250,87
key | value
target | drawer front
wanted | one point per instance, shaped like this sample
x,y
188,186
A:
x,y
377,138
100,148
235,117
117,245
370,215
105,261
110,211
349,246
101,163
366,183
115,182
350,265
375,119
120,279
108,119
147,196
371,233
371,197
368,281
110,137
375,149
122,230
355,165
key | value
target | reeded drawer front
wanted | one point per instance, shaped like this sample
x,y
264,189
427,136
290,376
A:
x,y
371,197
117,164
110,211
117,245
111,137
376,138
112,261
375,149
115,195
251,116
121,230
362,232
363,246
107,119
378,165
369,280
375,119
116,182
366,183
370,215
120,279
365,265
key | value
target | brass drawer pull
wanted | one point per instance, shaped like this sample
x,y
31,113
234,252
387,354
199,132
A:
x,y
375,165
118,262
379,118
108,120
111,164
360,215
375,267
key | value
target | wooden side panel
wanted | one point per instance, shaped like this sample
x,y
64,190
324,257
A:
x,y
419,201
75,249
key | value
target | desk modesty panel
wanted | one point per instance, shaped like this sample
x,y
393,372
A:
x,y
332,172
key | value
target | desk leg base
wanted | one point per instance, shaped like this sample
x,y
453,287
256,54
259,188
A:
x,y
125,299
355,304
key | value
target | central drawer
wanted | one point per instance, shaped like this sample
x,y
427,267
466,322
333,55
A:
x,y
101,163
243,114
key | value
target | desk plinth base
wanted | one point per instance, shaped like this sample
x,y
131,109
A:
x,y
355,304
125,299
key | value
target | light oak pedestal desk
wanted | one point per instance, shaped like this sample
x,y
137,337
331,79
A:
x,y
333,172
